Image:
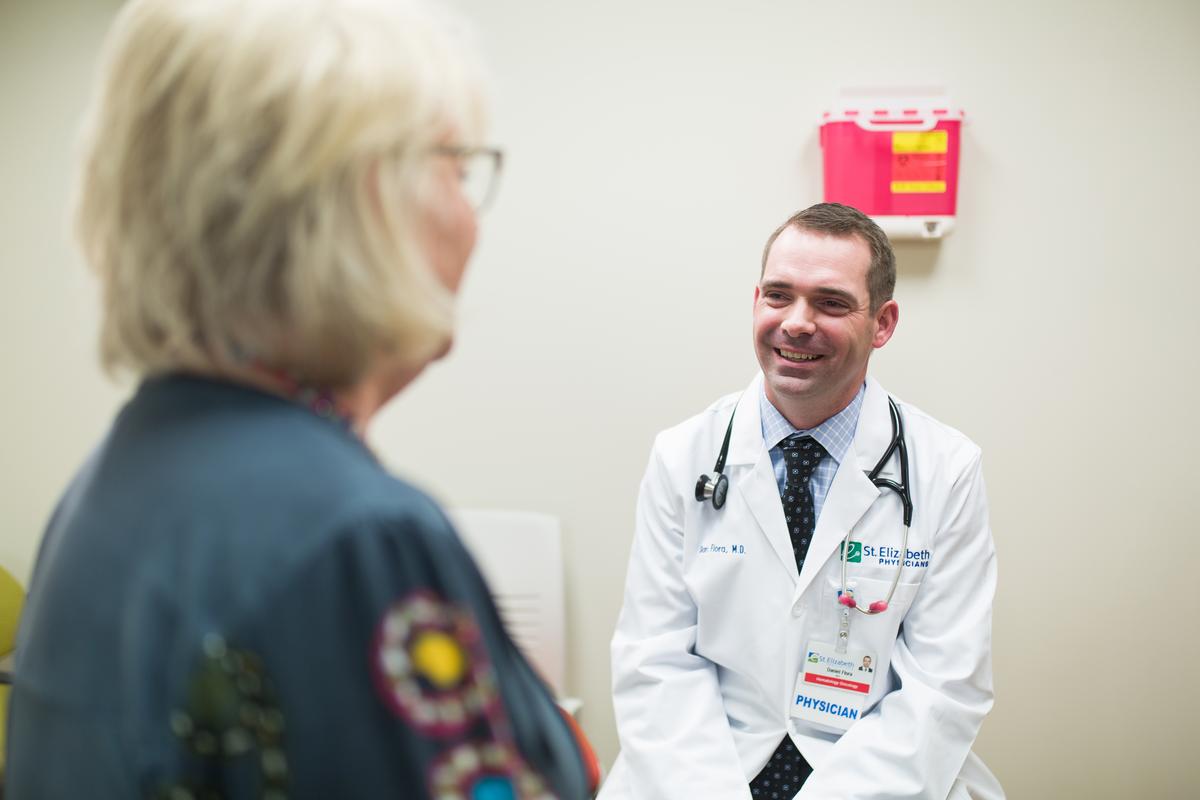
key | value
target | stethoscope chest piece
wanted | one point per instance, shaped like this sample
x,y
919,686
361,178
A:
x,y
715,489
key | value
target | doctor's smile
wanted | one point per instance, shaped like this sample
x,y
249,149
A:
x,y
792,355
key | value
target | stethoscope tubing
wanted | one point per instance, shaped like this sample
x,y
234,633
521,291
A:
x,y
874,608
715,488
898,446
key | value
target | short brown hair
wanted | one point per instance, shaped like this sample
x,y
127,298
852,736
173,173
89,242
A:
x,y
836,219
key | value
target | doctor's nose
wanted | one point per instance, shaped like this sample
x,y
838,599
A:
x,y
799,320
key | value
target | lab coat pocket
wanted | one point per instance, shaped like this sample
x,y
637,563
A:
x,y
875,633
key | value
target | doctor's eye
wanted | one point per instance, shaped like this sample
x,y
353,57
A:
x,y
834,305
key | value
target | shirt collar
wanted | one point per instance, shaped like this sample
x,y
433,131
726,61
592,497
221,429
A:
x,y
835,434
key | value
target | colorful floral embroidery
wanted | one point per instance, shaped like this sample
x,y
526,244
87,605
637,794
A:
x,y
431,668
485,771
230,712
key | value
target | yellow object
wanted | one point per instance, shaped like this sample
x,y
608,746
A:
x,y
918,187
3,726
439,659
12,598
920,142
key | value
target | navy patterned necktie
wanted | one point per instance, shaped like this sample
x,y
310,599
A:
x,y
787,769
803,454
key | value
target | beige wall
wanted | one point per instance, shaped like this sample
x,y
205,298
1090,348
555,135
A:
x,y
651,147
55,402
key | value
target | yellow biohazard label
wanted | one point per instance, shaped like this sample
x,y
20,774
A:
x,y
918,187
919,142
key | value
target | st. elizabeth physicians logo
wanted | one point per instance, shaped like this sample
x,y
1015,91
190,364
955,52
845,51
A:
x,y
855,556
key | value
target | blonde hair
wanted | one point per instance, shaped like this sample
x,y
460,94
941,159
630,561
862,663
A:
x,y
252,180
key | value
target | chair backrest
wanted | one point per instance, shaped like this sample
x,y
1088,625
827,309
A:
x,y
12,598
520,556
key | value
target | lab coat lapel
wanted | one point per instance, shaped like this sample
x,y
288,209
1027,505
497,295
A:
x,y
852,492
753,476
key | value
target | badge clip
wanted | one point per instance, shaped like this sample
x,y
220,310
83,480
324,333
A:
x,y
847,602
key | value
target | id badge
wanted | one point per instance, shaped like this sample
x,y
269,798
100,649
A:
x,y
832,687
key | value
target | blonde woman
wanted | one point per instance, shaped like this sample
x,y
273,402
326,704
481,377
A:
x,y
233,599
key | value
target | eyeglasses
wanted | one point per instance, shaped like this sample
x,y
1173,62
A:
x,y
479,171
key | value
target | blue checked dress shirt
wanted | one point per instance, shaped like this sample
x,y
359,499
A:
x,y
835,435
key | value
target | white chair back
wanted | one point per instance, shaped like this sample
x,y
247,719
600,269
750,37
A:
x,y
520,556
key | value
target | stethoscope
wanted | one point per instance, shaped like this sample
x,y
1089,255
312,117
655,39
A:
x,y
715,487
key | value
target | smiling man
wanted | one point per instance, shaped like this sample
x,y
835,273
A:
x,y
738,657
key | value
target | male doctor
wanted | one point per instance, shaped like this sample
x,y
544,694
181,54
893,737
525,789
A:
x,y
734,655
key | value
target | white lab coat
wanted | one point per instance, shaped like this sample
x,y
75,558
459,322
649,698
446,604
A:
x,y
709,643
